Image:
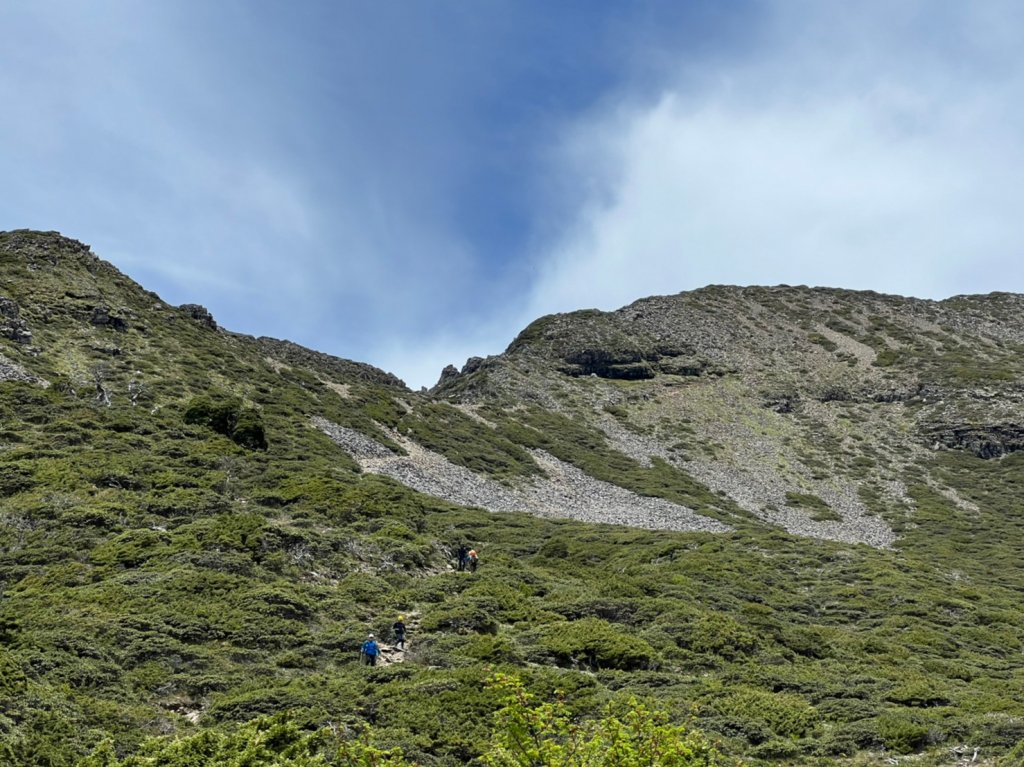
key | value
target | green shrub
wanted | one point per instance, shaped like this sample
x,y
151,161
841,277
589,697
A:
x,y
493,649
597,644
268,742
810,641
813,505
784,714
15,479
12,677
529,733
920,693
905,734
1015,758
249,431
465,615
721,635
219,414
129,549
225,415
776,749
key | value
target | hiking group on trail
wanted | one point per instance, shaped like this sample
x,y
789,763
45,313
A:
x,y
467,558
371,649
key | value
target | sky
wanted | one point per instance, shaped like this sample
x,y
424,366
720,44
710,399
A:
x,y
411,183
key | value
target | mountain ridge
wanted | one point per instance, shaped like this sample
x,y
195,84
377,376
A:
x,y
198,528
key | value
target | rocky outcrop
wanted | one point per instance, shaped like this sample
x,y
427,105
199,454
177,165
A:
x,y
102,315
605,363
12,326
12,371
199,314
985,441
449,374
632,365
47,248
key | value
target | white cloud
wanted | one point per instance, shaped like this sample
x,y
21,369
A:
x,y
318,181
852,151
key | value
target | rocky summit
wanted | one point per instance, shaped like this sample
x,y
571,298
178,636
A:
x,y
789,516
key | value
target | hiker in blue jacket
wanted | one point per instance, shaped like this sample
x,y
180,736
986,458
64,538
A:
x,y
370,651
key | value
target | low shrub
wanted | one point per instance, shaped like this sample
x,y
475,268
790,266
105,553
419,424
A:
x,y
227,416
597,644
905,734
784,714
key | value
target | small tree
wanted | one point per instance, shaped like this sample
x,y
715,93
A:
x,y
530,733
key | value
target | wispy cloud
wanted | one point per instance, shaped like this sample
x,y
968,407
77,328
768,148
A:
x,y
858,146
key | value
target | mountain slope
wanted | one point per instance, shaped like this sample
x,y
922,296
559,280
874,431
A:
x,y
796,403
198,527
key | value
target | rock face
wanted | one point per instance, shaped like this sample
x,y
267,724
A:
x,y
813,409
623,365
11,324
12,371
992,441
199,314
472,365
449,374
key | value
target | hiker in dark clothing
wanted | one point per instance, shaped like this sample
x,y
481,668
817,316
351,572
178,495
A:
x,y
463,557
398,627
370,651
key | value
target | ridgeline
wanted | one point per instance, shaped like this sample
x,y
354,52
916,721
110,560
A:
x,y
789,518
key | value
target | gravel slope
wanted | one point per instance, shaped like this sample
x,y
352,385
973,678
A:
x,y
566,492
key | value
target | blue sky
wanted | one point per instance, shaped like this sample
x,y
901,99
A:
x,y
411,183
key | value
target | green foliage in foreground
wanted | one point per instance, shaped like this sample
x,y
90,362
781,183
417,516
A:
x,y
527,733
530,733
269,742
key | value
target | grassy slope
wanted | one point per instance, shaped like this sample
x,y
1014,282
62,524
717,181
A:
x,y
152,569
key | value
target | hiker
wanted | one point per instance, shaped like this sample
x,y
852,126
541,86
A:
x,y
398,627
370,651
474,560
463,556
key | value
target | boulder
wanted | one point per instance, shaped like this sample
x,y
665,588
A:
x,y
101,315
200,314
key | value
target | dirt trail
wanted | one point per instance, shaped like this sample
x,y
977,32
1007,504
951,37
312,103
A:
x,y
389,654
